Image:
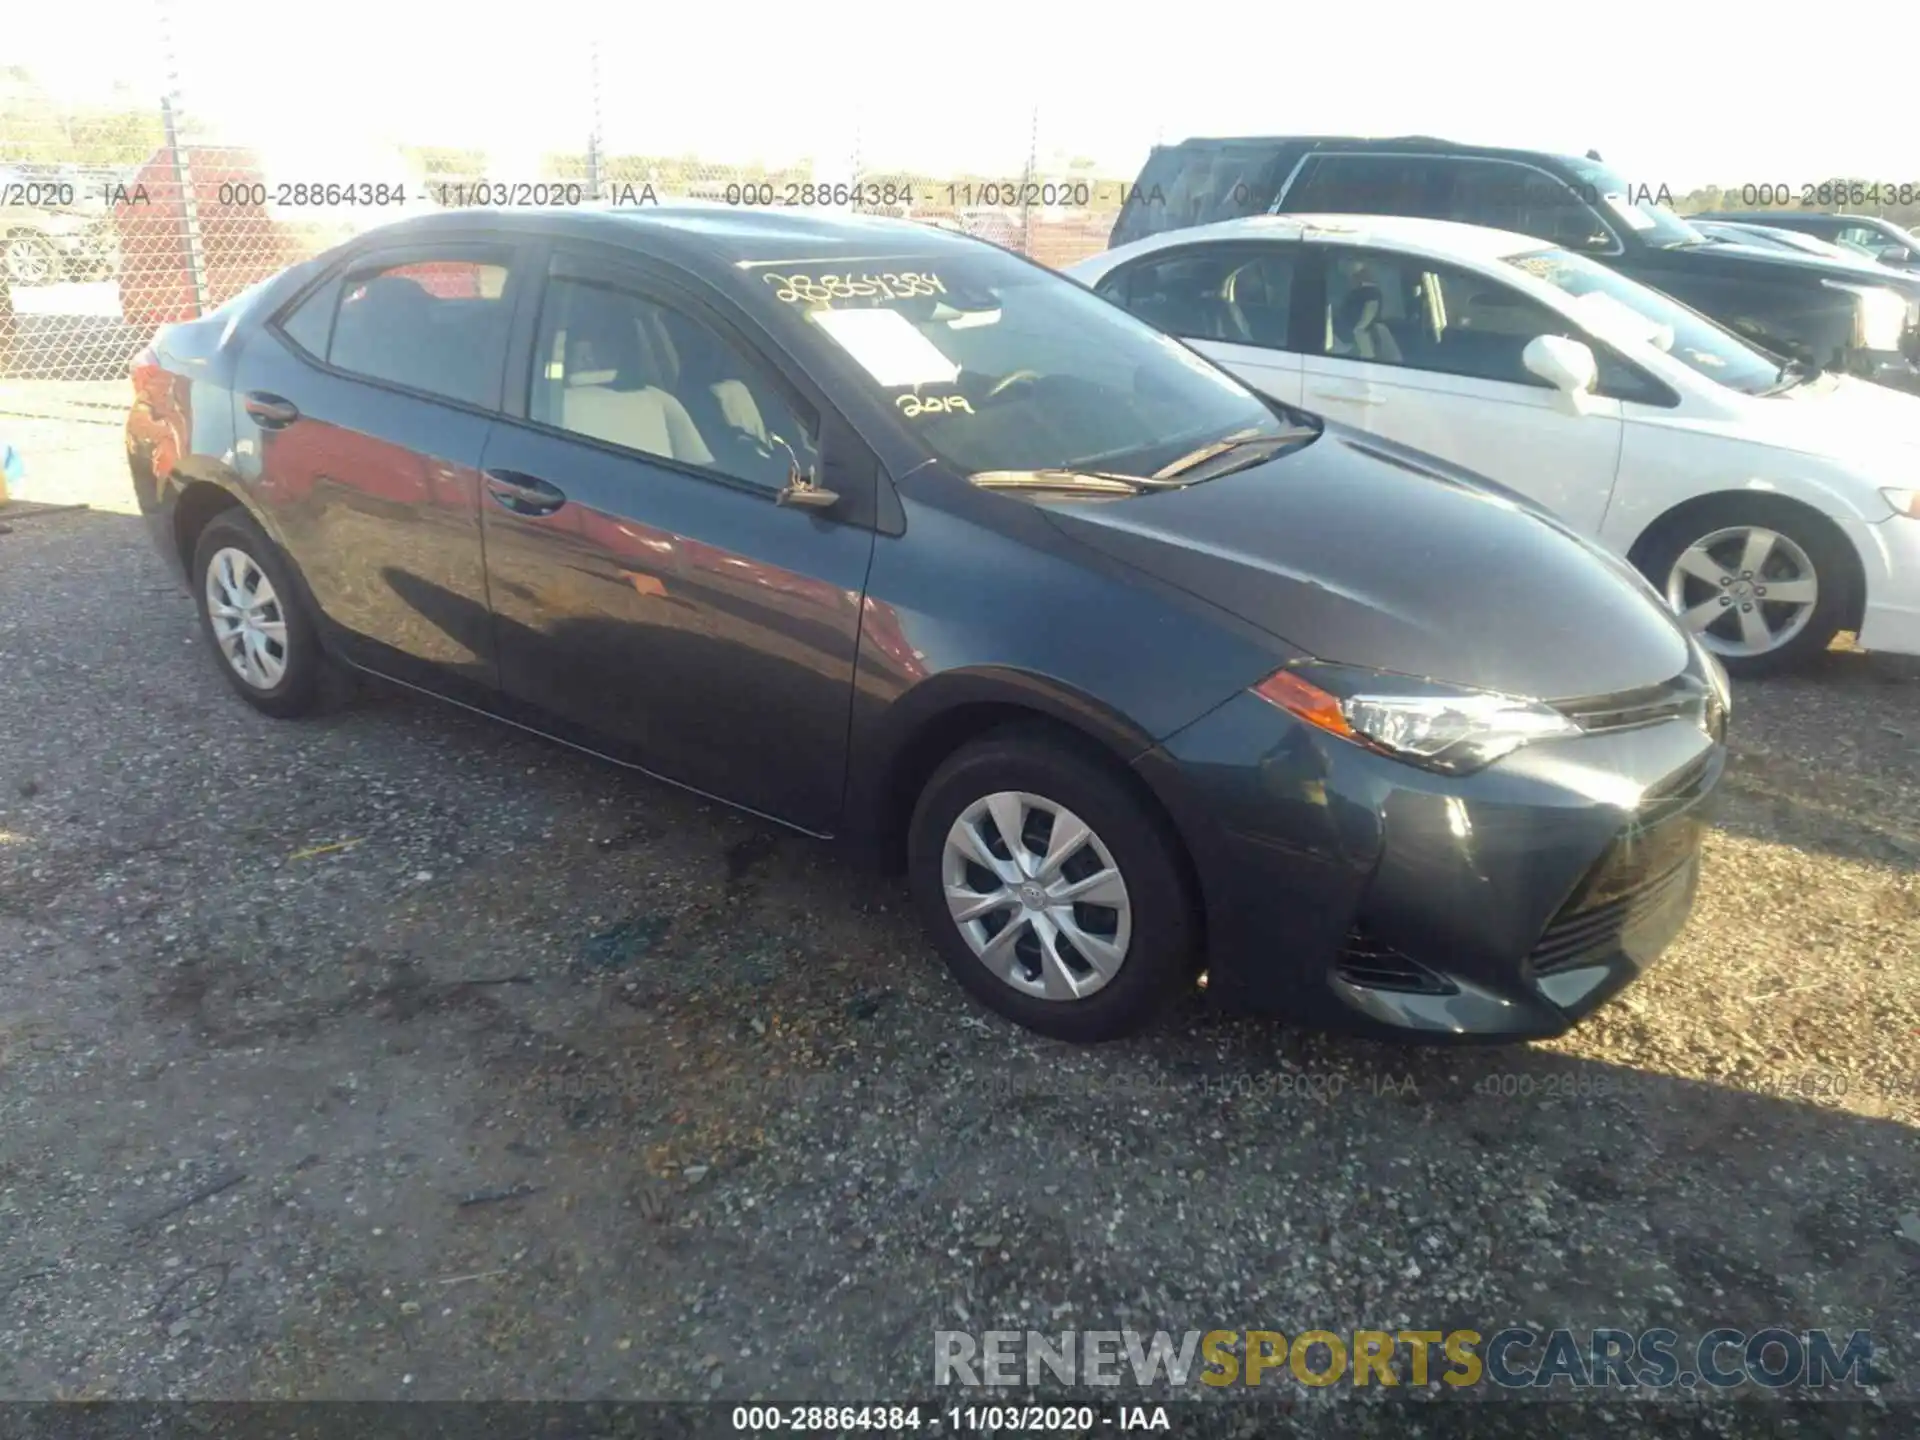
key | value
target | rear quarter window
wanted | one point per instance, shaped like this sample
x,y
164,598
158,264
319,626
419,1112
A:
x,y
1188,185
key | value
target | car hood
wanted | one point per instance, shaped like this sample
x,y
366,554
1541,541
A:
x,y
1371,554
1852,272
1869,426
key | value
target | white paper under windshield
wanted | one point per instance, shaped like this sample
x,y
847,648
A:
x,y
887,346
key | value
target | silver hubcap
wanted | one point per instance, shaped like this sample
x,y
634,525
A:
x,y
1037,896
248,624
1744,590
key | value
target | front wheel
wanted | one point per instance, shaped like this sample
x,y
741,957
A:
x,y
1762,584
1055,895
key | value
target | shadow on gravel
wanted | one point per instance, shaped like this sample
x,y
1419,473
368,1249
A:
x,y
534,1077
1827,759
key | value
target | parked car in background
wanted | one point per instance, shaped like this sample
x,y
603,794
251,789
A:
x,y
889,534
53,228
1887,242
1772,506
1767,237
1817,311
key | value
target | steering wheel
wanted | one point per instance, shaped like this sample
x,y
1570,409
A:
x,y
1007,382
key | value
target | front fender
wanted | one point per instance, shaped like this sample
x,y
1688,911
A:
x,y
1639,504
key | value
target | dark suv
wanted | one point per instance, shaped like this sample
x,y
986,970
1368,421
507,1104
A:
x,y
1818,311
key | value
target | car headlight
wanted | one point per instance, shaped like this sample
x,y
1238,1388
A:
x,y
1719,708
1441,727
1904,502
1880,315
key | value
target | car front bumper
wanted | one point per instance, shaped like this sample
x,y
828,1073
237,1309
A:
x,y
1356,892
1889,553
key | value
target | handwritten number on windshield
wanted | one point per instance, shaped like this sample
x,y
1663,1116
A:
x,y
825,289
911,405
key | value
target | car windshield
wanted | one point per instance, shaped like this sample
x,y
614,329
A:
x,y
1655,224
1616,308
1000,366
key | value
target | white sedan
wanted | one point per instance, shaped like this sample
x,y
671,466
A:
x,y
1772,507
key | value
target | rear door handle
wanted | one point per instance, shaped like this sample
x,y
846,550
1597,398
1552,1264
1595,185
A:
x,y
524,494
1351,395
270,411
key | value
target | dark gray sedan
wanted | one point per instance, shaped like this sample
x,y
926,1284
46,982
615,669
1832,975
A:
x,y
893,536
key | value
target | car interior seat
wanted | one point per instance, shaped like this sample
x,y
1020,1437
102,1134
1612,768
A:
x,y
702,370
609,392
1354,327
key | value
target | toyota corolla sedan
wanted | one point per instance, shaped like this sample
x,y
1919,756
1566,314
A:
x,y
1773,506
890,535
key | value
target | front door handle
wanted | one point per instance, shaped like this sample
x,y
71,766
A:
x,y
524,494
270,411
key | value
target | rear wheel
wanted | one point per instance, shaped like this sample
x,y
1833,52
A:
x,y
250,612
1054,894
1762,583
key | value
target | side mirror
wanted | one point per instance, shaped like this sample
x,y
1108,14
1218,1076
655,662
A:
x,y
1897,256
1565,364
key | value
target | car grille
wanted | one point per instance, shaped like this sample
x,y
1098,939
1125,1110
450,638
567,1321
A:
x,y
1592,934
1372,964
1685,697
1652,864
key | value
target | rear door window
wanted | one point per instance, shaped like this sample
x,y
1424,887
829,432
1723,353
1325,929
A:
x,y
1527,201
1238,294
1366,185
1197,184
433,322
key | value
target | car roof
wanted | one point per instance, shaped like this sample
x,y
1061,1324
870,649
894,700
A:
x,y
1431,143
1439,239
710,237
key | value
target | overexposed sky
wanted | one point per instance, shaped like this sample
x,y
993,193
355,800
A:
x,y
1670,93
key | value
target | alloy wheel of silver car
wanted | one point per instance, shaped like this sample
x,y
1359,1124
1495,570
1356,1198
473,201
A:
x,y
1037,896
29,260
1744,590
248,623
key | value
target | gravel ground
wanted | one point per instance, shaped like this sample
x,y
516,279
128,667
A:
x,y
397,1054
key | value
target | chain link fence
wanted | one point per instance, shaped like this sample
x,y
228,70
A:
x,y
153,195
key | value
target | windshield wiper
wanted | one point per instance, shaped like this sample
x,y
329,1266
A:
x,y
1099,482
1795,372
1240,440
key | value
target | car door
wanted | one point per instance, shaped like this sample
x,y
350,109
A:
x,y
650,596
1232,303
361,412
1428,355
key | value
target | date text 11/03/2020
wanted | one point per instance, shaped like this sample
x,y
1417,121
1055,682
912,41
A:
x,y
952,1419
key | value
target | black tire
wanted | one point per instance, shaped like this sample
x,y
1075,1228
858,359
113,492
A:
x,y
298,689
1163,952
1834,566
